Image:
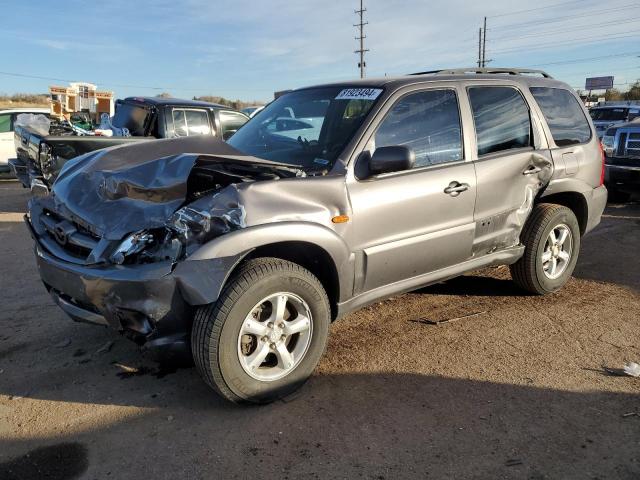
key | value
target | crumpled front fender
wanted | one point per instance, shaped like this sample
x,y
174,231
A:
x,y
238,244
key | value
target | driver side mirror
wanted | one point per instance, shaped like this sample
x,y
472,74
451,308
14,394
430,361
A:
x,y
393,158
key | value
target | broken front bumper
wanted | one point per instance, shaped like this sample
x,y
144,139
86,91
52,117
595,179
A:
x,y
153,304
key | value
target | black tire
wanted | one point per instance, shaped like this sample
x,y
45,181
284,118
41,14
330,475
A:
x,y
216,327
528,272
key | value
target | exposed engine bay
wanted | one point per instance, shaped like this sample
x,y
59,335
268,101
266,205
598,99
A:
x,y
103,209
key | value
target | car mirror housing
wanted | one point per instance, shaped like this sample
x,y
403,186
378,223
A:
x,y
389,159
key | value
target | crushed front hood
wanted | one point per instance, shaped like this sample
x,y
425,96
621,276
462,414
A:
x,y
123,189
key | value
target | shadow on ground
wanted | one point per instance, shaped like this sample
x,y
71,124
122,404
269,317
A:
x,y
610,252
346,426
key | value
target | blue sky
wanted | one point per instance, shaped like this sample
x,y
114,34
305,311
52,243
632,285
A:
x,y
249,49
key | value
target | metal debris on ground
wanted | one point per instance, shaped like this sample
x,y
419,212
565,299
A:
x,y
428,321
630,414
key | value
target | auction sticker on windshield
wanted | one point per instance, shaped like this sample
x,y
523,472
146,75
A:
x,y
359,94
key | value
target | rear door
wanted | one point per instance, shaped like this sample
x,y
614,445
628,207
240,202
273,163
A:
x,y
575,151
413,222
512,164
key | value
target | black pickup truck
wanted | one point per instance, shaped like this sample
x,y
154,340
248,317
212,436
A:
x,y
40,158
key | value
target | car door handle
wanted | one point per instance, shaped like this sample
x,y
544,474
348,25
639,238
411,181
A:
x,y
455,188
532,170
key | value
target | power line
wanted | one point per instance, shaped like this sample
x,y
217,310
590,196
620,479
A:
x,y
580,60
577,41
361,38
37,77
535,9
510,26
577,28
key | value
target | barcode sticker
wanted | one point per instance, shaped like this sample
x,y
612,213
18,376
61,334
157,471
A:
x,y
359,94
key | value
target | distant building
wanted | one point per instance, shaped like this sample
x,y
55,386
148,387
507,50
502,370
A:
x,y
80,97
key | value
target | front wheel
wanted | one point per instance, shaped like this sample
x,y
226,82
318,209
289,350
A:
x,y
266,333
551,237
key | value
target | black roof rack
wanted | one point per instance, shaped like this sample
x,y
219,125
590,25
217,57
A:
x,y
474,70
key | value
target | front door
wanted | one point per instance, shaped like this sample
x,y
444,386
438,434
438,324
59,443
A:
x,y
418,221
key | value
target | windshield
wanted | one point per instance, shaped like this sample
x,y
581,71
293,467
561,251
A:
x,y
306,128
608,114
131,117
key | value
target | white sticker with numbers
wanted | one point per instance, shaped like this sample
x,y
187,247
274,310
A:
x,y
359,94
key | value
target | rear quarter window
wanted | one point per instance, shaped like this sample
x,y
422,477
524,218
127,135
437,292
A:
x,y
565,117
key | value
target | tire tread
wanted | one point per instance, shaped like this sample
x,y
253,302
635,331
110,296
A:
x,y
209,320
523,272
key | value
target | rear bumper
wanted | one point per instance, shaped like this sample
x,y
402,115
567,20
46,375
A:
x,y
597,204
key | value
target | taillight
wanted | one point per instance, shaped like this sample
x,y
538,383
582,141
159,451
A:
x,y
602,171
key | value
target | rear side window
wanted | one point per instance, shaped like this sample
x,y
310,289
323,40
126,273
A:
x,y
230,122
501,117
187,122
564,116
5,123
429,123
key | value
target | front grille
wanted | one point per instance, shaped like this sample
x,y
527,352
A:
x,y
72,238
622,143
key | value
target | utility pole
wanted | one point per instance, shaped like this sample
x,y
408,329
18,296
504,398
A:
x,y
484,44
479,47
361,38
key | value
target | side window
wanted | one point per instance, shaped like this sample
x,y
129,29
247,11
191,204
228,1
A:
x,y
230,122
428,122
188,122
5,123
501,117
564,116
197,122
179,123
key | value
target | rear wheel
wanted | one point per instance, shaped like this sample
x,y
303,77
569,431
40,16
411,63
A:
x,y
551,238
266,333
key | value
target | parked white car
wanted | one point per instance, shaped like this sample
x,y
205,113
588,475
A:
x,y
7,119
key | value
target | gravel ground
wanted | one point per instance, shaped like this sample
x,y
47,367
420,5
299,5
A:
x,y
516,391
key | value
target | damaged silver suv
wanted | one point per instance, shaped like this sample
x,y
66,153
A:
x,y
329,199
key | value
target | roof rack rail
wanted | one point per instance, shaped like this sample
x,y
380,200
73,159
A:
x,y
474,70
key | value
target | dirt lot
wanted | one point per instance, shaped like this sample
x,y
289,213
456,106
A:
x,y
515,392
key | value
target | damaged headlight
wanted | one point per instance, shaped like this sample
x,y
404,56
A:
x,y
147,247
203,220
131,245
187,229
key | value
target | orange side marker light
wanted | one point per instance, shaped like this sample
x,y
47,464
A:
x,y
340,219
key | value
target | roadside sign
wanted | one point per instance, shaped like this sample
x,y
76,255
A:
x,y
599,83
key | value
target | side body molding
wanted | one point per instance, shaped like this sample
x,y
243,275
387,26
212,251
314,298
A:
x,y
238,244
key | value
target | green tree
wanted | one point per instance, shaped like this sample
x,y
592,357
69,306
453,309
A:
x,y
634,92
613,95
